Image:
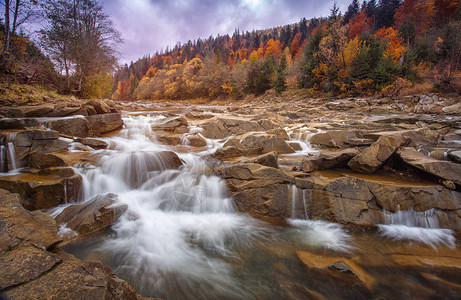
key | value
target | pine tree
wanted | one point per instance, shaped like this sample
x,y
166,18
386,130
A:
x,y
280,83
352,10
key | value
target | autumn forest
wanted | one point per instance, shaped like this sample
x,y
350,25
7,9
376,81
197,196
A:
x,y
375,47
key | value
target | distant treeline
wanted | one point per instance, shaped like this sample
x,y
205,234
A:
x,y
372,48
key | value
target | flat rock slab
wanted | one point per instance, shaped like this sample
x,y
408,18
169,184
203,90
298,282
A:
x,y
443,169
328,159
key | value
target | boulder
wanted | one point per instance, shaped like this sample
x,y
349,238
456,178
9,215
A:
x,y
105,123
443,169
93,215
39,160
332,138
75,126
268,159
455,156
295,145
196,140
328,160
99,106
257,142
168,139
219,128
452,109
93,143
370,159
22,226
228,151
17,123
195,115
30,270
173,124
42,192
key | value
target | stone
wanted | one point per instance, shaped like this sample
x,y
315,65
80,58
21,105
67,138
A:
x,y
337,264
173,124
198,115
257,142
219,128
105,123
99,106
332,138
370,159
39,160
196,140
443,169
328,160
93,143
228,152
268,159
455,156
7,123
168,139
454,109
295,145
24,265
20,225
449,184
42,192
92,216
75,126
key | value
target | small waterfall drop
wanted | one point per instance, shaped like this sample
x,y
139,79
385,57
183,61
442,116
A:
x,y
3,164
12,156
422,227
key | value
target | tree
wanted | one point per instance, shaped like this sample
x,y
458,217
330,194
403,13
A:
x,y
352,10
280,83
81,40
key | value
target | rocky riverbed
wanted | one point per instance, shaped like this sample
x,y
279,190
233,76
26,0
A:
x,y
357,192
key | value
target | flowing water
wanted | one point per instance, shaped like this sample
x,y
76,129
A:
x,y
181,237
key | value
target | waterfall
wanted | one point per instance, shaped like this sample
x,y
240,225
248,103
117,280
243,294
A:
x,y
304,204
3,165
179,223
12,157
422,227
294,194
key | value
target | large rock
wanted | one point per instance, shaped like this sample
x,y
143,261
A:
x,y
452,109
443,169
268,160
93,143
218,127
455,156
332,138
20,225
196,140
31,271
75,126
94,215
258,142
228,151
105,123
99,106
41,160
42,192
328,159
173,124
371,159
7,123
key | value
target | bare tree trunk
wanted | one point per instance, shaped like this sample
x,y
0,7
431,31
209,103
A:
x,y
15,17
6,46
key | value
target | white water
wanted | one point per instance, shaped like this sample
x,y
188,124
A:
x,y
2,158
12,156
179,223
414,226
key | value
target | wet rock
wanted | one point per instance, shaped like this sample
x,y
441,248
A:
x,y
218,128
42,192
105,123
256,142
295,145
443,169
31,271
169,139
196,140
198,115
268,159
20,225
340,265
94,215
328,159
40,160
77,126
93,143
332,138
173,124
370,159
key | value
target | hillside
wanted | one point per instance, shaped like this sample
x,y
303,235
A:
x,y
387,47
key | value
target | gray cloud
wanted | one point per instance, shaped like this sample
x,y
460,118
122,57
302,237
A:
x,y
148,26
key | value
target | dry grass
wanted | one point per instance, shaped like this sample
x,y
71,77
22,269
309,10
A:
x,y
22,94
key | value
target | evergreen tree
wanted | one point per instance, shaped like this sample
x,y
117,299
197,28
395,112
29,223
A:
x,y
280,83
352,10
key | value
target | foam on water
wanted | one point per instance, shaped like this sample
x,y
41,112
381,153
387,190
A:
x,y
321,234
415,226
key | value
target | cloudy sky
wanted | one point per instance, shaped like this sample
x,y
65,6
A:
x,y
148,26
